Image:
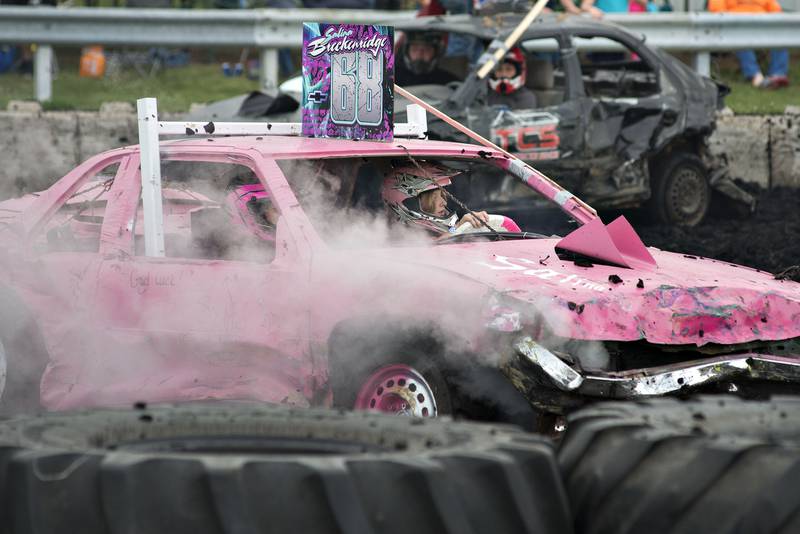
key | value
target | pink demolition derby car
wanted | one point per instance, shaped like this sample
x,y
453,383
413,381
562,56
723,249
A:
x,y
364,275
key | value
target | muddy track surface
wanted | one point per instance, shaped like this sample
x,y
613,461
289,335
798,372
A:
x,y
768,240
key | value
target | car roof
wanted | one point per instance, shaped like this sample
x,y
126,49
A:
x,y
283,147
498,26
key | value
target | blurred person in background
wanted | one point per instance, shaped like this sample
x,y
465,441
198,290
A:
x,y
285,62
458,45
420,53
507,82
777,75
642,6
597,8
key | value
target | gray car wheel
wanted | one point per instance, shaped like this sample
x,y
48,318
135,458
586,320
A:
x,y
680,191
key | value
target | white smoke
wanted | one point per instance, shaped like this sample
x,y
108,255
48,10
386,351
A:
x,y
370,268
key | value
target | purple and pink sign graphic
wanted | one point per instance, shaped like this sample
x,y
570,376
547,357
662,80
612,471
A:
x,y
348,81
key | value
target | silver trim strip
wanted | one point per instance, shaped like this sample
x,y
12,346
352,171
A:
x,y
659,380
564,376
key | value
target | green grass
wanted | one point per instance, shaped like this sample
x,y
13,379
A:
x,y
745,98
177,88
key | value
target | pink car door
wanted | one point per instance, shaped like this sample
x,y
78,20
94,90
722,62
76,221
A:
x,y
221,315
57,274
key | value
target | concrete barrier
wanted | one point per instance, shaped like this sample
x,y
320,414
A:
x,y
38,147
761,149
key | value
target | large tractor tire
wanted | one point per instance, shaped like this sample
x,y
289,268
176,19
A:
x,y
713,464
681,194
241,468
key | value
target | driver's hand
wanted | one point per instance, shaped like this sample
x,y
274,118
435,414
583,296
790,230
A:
x,y
594,12
476,219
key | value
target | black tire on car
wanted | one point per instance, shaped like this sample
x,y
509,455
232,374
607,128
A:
x,y
241,467
711,464
460,386
23,358
680,192
358,358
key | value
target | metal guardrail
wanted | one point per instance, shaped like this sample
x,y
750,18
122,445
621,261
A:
x,y
711,32
259,28
270,29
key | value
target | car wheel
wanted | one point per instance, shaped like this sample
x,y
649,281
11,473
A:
x,y
241,467
399,389
680,191
396,373
712,464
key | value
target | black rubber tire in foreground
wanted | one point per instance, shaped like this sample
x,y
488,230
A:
x,y
245,468
711,464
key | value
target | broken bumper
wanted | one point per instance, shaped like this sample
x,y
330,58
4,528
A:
x,y
634,383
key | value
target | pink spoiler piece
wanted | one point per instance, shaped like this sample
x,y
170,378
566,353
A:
x,y
616,243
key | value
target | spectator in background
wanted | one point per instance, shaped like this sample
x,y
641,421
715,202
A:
x,y
285,61
457,44
596,8
641,6
777,75
567,6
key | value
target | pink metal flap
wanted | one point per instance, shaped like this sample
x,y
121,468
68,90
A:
x,y
616,243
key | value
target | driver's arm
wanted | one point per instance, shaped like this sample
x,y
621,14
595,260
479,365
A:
x,y
476,219
570,7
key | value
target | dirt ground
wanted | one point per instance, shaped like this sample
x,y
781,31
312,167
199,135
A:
x,y
768,240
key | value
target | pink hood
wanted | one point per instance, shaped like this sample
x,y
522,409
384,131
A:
x,y
684,300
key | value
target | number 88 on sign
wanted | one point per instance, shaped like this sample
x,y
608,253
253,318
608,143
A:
x,y
348,81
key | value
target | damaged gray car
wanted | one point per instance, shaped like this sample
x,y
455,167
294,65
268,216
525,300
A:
x,y
618,122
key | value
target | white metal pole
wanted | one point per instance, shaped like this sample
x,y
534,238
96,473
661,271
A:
x,y
151,177
268,70
43,72
702,63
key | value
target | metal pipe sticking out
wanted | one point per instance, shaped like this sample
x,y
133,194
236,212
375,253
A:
x,y
511,40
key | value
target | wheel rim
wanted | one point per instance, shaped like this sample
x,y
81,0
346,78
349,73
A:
x,y
688,194
397,389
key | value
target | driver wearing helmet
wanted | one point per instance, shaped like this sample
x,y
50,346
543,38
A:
x,y
416,194
242,227
420,52
507,82
251,210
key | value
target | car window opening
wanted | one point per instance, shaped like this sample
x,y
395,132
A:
x,y
403,192
214,211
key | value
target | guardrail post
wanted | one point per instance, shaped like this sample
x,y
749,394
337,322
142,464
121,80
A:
x,y
268,75
702,63
150,164
43,72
